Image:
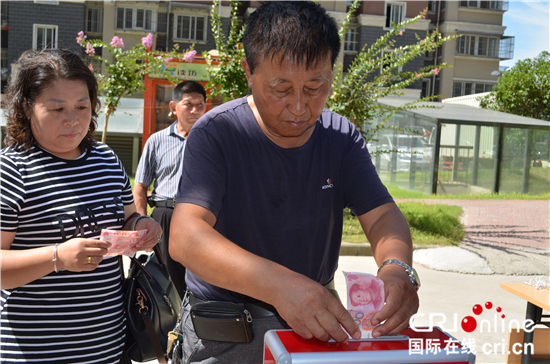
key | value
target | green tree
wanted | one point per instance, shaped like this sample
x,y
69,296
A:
x,y
124,75
356,93
523,89
227,78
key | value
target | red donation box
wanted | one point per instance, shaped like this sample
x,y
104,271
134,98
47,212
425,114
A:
x,y
431,346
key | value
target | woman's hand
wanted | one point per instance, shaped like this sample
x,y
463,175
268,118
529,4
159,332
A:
x,y
154,233
77,255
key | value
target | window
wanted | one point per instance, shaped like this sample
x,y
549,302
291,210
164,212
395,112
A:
x,y
137,19
477,46
431,6
470,88
395,13
492,5
350,40
190,27
93,20
388,59
44,36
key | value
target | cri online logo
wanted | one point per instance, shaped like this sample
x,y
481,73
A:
x,y
469,323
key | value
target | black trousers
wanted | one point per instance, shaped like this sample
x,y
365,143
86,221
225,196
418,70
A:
x,y
163,216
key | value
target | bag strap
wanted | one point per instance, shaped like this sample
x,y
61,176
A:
x,y
153,336
137,263
144,310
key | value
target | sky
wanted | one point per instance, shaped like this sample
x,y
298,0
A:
x,y
529,22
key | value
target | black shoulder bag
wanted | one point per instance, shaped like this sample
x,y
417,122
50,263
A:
x,y
152,305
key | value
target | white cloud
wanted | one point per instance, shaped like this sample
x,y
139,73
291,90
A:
x,y
529,22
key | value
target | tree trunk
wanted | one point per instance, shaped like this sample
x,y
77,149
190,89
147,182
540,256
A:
x,y
108,111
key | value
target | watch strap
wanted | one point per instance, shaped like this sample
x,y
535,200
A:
x,y
413,276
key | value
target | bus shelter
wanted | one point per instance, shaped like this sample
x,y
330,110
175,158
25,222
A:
x,y
459,149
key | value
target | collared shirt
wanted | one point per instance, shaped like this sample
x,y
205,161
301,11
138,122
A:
x,y
161,161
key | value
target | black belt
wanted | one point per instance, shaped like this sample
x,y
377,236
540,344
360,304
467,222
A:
x,y
257,309
163,203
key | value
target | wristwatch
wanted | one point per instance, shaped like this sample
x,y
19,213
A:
x,y
413,276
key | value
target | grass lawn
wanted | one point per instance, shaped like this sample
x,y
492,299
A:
x,y
399,193
430,224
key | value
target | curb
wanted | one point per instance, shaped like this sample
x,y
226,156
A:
x,y
355,249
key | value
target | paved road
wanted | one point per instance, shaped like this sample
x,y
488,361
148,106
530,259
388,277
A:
x,y
509,237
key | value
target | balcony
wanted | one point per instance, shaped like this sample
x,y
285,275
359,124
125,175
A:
x,y
506,49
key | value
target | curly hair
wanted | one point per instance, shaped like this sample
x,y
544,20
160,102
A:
x,y
34,72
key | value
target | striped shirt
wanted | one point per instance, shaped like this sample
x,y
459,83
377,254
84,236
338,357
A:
x,y
65,317
161,161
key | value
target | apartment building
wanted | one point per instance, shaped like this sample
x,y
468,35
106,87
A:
x,y
474,56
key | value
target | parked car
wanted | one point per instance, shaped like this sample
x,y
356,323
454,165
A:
x,y
406,148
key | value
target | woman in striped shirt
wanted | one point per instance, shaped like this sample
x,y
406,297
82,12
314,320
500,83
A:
x,y
61,299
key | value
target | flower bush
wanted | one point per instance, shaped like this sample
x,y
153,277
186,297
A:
x,y
124,75
227,78
374,74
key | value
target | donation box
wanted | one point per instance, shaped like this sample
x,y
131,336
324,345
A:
x,y
430,346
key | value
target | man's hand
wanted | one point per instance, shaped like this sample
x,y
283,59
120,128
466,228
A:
x,y
312,311
401,302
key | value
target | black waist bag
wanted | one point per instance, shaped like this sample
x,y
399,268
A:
x,y
152,305
222,321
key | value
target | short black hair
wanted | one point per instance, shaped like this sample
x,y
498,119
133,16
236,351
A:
x,y
37,70
300,29
187,87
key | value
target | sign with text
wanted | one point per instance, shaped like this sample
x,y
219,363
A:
x,y
186,71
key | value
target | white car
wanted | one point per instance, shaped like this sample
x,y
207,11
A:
x,y
396,153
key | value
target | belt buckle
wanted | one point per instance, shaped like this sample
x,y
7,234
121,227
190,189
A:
x,y
173,202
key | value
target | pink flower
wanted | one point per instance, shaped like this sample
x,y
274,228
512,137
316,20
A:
x,y
435,71
427,134
422,42
158,57
400,32
117,42
189,56
90,49
168,59
418,75
91,67
147,41
81,37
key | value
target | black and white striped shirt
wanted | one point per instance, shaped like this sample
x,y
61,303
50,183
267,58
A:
x,y
65,317
161,161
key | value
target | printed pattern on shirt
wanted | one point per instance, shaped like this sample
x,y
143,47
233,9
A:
x,y
65,317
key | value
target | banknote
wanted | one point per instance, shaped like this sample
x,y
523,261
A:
x,y
365,294
123,242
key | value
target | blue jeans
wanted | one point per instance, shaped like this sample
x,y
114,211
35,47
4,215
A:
x,y
195,350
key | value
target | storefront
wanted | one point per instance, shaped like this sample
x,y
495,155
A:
x,y
158,94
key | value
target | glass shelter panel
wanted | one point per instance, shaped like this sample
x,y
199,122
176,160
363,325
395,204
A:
x,y
467,161
403,156
525,166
